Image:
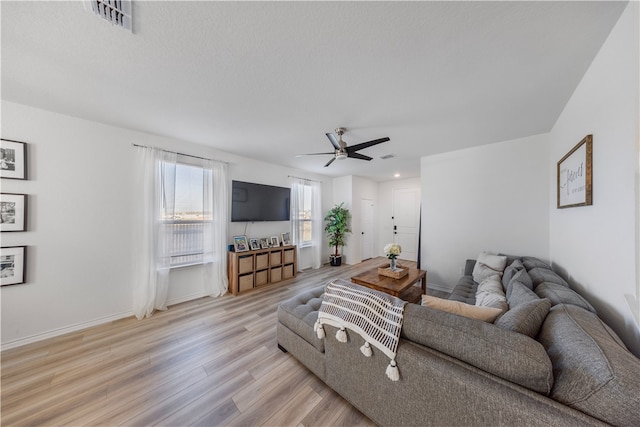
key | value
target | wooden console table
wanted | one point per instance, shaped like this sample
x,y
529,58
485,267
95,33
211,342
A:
x,y
251,269
402,288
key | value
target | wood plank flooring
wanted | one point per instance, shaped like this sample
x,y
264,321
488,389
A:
x,y
207,362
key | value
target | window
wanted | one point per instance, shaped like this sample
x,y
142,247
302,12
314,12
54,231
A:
x,y
305,217
186,211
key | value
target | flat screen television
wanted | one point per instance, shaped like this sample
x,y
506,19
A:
x,y
259,202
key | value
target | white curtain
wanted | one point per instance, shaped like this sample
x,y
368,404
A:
x,y
313,192
317,219
152,240
215,238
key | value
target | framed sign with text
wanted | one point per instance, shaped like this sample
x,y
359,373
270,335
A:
x,y
575,172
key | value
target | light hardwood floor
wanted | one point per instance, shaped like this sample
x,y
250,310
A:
x,y
207,362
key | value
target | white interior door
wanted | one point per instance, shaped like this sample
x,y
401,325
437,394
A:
x,y
406,220
366,221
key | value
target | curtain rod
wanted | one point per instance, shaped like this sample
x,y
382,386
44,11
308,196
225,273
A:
x,y
180,154
305,179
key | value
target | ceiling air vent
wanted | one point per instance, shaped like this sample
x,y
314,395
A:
x,y
387,156
117,12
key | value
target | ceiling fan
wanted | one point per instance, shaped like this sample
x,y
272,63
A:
x,y
342,151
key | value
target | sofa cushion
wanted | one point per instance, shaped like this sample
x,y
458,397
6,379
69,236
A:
x,y
510,271
540,275
519,293
300,314
465,290
508,355
526,318
488,265
593,370
486,314
559,294
490,294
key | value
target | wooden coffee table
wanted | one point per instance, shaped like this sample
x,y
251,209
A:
x,y
402,288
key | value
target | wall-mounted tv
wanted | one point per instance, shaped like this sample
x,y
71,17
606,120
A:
x,y
259,202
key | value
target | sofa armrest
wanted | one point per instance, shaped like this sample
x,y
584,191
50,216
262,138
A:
x,y
506,354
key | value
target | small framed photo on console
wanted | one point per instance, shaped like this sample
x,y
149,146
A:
x,y
253,243
240,243
286,238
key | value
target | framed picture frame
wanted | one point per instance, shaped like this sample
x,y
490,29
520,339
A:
x,y
240,243
575,174
274,242
286,238
254,244
13,159
264,243
13,212
13,265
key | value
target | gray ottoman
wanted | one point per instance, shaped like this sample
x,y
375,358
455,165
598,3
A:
x,y
295,334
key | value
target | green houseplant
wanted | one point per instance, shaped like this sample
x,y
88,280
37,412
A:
x,y
337,226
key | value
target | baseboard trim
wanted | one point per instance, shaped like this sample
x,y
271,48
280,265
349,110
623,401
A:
x,y
438,287
61,331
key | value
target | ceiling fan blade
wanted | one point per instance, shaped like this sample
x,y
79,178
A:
x,y
357,147
314,154
329,162
358,156
333,140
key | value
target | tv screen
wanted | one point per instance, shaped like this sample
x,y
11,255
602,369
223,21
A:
x,y
258,202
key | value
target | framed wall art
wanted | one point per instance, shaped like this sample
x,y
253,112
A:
x,y
13,212
575,172
240,243
13,159
13,265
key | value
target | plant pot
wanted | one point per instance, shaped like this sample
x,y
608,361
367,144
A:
x,y
335,260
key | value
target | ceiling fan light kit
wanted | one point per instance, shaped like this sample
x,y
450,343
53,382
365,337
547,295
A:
x,y
342,150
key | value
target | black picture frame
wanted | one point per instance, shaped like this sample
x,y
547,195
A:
x,y
13,265
13,212
13,159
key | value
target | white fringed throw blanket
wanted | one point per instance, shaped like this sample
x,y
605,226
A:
x,y
375,316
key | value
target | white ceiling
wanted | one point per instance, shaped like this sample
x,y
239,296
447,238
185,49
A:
x,y
267,80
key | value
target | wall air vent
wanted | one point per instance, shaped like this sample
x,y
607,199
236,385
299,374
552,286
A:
x,y
387,156
117,12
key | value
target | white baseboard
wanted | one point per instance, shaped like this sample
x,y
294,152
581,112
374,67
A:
x,y
185,298
62,331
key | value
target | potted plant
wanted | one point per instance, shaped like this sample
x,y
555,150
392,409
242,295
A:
x,y
336,228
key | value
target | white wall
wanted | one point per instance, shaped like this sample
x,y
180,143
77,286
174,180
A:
x,y
79,221
343,193
362,189
493,197
595,246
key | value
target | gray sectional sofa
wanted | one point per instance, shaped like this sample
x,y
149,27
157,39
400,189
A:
x,y
569,368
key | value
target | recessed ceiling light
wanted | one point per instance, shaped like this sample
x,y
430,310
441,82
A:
x,y
396,175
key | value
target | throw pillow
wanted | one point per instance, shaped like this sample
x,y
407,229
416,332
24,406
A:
x,y
488,265
518,293
526,318
523,277
486,314
510,271
490,294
